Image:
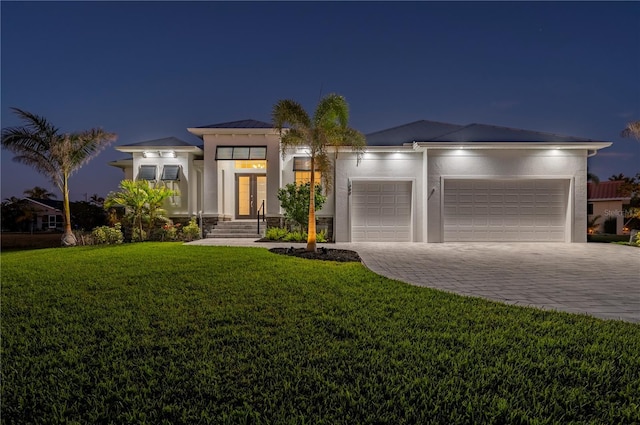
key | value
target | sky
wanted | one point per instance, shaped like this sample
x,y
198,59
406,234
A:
x,y
148,70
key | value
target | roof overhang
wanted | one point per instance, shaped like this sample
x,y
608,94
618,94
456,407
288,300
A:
x,y
122,163
134,149
594,146
201,132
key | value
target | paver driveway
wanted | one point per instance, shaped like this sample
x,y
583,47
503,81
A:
x,y
602,280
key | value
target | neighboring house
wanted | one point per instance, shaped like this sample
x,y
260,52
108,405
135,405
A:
x,y
604,200
420,182
45,214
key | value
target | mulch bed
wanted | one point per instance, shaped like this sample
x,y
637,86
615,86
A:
x,y
322,253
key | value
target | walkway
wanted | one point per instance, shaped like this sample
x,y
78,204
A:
x,y
602,280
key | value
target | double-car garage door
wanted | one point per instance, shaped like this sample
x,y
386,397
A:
x,y
473,210
505,210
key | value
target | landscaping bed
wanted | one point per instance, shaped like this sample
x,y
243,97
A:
x,y
322,253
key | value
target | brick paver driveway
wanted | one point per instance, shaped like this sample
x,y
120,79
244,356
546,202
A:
x,y
602,280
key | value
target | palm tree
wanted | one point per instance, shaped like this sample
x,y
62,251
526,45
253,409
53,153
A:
x,y
142,200
326,130
38,192
56,155
618,177
632,130
96,200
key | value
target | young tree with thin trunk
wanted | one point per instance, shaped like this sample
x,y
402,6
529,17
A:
x,y
57,155
325,131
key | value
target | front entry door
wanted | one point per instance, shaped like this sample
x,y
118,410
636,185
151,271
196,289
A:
x,y
251,190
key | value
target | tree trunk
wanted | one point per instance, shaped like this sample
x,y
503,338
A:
x,y
311,234
68,238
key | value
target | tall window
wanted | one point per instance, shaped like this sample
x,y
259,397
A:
x,y
302,171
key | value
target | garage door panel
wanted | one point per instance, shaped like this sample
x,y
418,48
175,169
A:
x,y
386,215
505,210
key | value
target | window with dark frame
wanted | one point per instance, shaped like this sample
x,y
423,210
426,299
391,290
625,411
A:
x,y
147,172
228,153
589,209
302,171
170,172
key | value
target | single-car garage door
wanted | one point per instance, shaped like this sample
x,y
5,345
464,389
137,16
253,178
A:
x,y
381,211
505,210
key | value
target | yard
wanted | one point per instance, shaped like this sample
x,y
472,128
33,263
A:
x,y
169,333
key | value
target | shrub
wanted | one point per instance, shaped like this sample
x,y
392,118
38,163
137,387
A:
x,y
279,234
294,200
168,232
107,235
637,241
138,235
191,231
276,233
296,236
321,236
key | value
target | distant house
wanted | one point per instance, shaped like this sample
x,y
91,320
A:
x,y
604,200
46,214
423,181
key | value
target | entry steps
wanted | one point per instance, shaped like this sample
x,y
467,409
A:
x,y
237,229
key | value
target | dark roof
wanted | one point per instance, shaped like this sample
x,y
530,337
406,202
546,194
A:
x,y
493,133
605,190
166,142
415,131
240,124
51,203
433,131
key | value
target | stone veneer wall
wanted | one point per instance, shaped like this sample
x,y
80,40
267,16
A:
x,y
322,223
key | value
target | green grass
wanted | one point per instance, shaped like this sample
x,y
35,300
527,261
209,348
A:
x,y
166,333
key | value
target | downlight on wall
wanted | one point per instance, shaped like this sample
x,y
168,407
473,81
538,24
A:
x,y
159,154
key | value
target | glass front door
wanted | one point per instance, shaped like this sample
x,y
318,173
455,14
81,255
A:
x,y
251,191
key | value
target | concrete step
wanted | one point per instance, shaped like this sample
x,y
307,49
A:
x,y
234,235
237,229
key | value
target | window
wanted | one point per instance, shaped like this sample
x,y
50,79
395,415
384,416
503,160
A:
x,y
248,164
302,171
52,222
241,152
171,172
589,209
304,177
147,172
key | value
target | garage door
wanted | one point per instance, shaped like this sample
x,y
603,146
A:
x,y
505,210
380,211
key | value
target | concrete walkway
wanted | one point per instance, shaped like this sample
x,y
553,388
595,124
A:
x,y
602,280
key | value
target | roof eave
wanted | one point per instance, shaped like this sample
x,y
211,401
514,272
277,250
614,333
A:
x,y
132,149
510,145
201,132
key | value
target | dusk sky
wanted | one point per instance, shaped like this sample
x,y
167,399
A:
x,y
148,70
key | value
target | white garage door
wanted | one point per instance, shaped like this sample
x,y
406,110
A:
x,y
381,211
505,210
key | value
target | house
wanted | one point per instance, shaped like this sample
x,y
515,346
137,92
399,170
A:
x,y
44,214
423,181
604,200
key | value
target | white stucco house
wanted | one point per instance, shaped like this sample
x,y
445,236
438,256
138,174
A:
x,y
423,181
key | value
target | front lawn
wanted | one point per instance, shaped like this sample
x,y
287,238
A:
x,y
167,333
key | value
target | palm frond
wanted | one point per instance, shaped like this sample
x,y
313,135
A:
x,y
632,130
332,110
289,112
